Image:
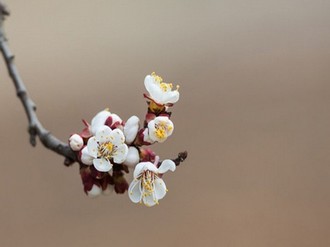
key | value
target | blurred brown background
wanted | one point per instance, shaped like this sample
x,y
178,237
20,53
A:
x,y
253,114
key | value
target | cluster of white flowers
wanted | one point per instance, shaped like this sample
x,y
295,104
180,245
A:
x,y
109,146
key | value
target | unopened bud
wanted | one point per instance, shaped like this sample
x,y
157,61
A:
x,y
76,142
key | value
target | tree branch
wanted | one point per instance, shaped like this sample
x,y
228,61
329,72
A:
x,y
35,127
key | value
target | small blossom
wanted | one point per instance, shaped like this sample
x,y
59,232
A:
x,y
76,142
106,146
147,186
158,130
159,91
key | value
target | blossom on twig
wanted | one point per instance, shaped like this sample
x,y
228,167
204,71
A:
x,y
147,186
160,92
106,146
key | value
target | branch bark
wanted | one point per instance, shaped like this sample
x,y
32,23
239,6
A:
x,y
35,128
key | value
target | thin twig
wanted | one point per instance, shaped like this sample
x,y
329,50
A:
x,y
35,127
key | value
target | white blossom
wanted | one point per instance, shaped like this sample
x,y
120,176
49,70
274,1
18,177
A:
x,y
159,129
147,186
159,91
106,146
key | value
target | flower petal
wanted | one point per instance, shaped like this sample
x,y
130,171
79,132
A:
x,y
146,136
166,165
153,88
150,200
86,158
134,191
92,146
132,157
138,169
117,137
160,188
99,120
120,154
171,97
102,165
103,134
131,129
144,166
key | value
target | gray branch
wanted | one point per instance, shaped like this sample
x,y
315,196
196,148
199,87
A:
x,y
35,127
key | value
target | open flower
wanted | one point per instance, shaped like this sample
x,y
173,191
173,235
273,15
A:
x,y
158,130
159,91
105,147
147,186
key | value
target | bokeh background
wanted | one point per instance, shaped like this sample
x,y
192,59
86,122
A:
x,y
253,114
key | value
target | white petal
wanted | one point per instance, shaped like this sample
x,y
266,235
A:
x,y
153,88
167,165
150,200
117,137
160,188
149,83
140,168
134,191
131,128
103,134
92,146
132,157
171,97
102,165
144,166
120,154
146,136
86,158
99,120
152,131
76,142
95,191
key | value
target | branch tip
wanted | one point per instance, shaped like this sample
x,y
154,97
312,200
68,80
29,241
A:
x,y
181,157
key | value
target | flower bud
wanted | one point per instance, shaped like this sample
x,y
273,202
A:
x,y
76,142
132,157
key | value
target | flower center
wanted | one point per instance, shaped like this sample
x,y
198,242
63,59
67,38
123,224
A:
x,y
161,130
148,183
156,77
105,150
165,87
